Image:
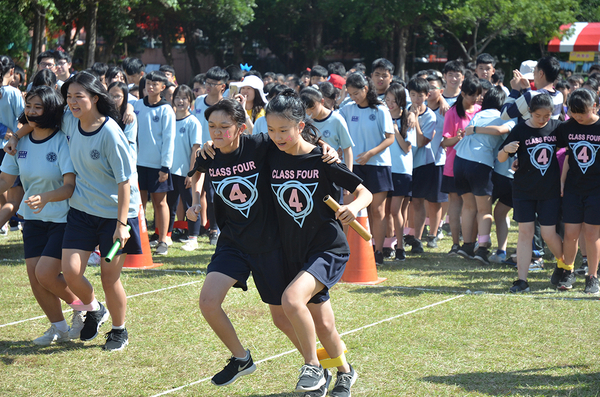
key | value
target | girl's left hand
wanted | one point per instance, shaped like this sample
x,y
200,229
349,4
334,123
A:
x,y
121,234
129,115
36,202
468,130
363,158
241,99
345,215
330,155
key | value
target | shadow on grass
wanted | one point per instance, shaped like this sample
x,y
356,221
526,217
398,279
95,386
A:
x,y
526,382
11,348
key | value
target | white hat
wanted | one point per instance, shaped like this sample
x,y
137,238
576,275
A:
x,y
527,68
254,82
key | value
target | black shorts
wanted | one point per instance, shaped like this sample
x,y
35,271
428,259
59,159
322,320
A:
x,y
579,209
502,190
402,185
376,178
268,271
148,180
448,185
84,232
43,239
326,267
548,211
427,183
472,177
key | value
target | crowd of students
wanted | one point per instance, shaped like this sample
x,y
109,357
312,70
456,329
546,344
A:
x,y
246,158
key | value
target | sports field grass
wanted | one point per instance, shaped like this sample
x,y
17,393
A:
x,y
417,334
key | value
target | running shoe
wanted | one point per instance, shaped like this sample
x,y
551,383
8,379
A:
x,y
417,247
213,237
311,378
482,255
190,245
116,339
161,249
93,321
432,242
498,257
94,259
78,320
583,269
567,281
321,391
344,382
378,258
557,275
467,250
454,250
536,265
591,285
52,335
519,286
234,369
400,254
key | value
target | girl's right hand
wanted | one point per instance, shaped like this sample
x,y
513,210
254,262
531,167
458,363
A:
x,y
121,234
207,149
241,99
11,146
511,147
192,212
411,119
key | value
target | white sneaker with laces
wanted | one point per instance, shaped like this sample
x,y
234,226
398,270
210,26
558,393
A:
x,y
94,259
78,320
4,230
52,335
190,245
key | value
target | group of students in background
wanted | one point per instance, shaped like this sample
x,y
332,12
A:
x,y
245,158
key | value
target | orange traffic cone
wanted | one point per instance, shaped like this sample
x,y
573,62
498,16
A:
x,y
361,268
143,260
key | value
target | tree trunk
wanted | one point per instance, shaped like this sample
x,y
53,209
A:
x,y
91,34
238,48
317,42
190,48
402,42
167,48
39,28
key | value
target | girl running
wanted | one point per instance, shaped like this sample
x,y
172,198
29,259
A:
x,y
536,187
44,166
311,234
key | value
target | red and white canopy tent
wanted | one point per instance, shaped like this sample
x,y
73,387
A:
x,y
585,36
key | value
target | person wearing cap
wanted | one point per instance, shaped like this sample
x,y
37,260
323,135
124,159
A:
x,y
543,73
252,97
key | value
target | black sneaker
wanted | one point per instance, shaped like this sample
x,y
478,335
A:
x,y
321,391
591,285
378,258
482,255
161,249
400,254
417,247
467,250
153,240
519,286
213,236
454,250
344,382
583,269
234,369
311,378
92,323
557,275
388,252
432,242
409,240
567,280
116,339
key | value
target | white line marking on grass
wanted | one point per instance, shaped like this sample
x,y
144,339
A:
x,y
191,272
130,296
294,350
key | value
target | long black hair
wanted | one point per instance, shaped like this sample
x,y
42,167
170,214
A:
x,y
6,64
359,81
90,83
469,86
54,106
289,106
399,94
581,100
125,91
494,98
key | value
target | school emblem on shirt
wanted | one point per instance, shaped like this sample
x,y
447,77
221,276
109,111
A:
x,y
372,117
94,154
541,156
354,118
51,157
296,198
182,130
238,192
156,119
326,133
584,153
22,154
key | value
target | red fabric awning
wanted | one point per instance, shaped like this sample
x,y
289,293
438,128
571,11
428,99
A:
x,y
585,37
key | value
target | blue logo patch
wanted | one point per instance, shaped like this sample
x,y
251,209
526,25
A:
x,y
156,119
22,154
136,111
51,157
182,130
94,154
326,133
354,118
372,117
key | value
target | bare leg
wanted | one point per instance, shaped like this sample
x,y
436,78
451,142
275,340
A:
x,y
455,205
161,214
377,219
329,337
572,232
49,302
469,216
48,274
524,250
116,299
283,323
74,263
502,224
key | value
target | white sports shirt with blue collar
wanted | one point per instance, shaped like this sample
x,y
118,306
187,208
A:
x,y
425,155
156,133
41,165
188,132
200,107
368,128
11,107
402,162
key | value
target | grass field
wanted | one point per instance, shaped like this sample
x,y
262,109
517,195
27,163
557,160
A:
x,y
420,333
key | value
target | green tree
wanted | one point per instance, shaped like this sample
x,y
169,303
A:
x,y
13,31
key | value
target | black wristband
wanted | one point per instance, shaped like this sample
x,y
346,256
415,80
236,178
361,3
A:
x,y
124,224
164,169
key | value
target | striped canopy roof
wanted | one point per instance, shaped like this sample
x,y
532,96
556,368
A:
x,y
585,37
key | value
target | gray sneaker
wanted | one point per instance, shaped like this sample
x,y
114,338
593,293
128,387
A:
x,y
51,335
432,242
116,339
311,378
321,391
161,249
591,285
344,382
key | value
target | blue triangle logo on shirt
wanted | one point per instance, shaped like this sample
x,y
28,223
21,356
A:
x,y
300,193
541,156
584,154
242,192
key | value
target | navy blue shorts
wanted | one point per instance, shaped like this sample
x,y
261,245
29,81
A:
x,y
548,211
402,185
448,185
579,209
376,178
427,183
472,177
326,267
148,180
43,239
268,270
84,232
502,189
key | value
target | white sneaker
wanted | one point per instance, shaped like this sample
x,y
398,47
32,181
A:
x,y
78,320
16,228
190,245
94,259
52,335
4,230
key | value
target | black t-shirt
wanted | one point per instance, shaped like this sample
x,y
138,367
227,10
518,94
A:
x,y
582,142
299,184
538,176
243,204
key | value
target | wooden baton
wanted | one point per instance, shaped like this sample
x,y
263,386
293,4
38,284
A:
x,y
364,233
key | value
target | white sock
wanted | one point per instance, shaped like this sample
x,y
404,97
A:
x,y
118,326
95,305
62,326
